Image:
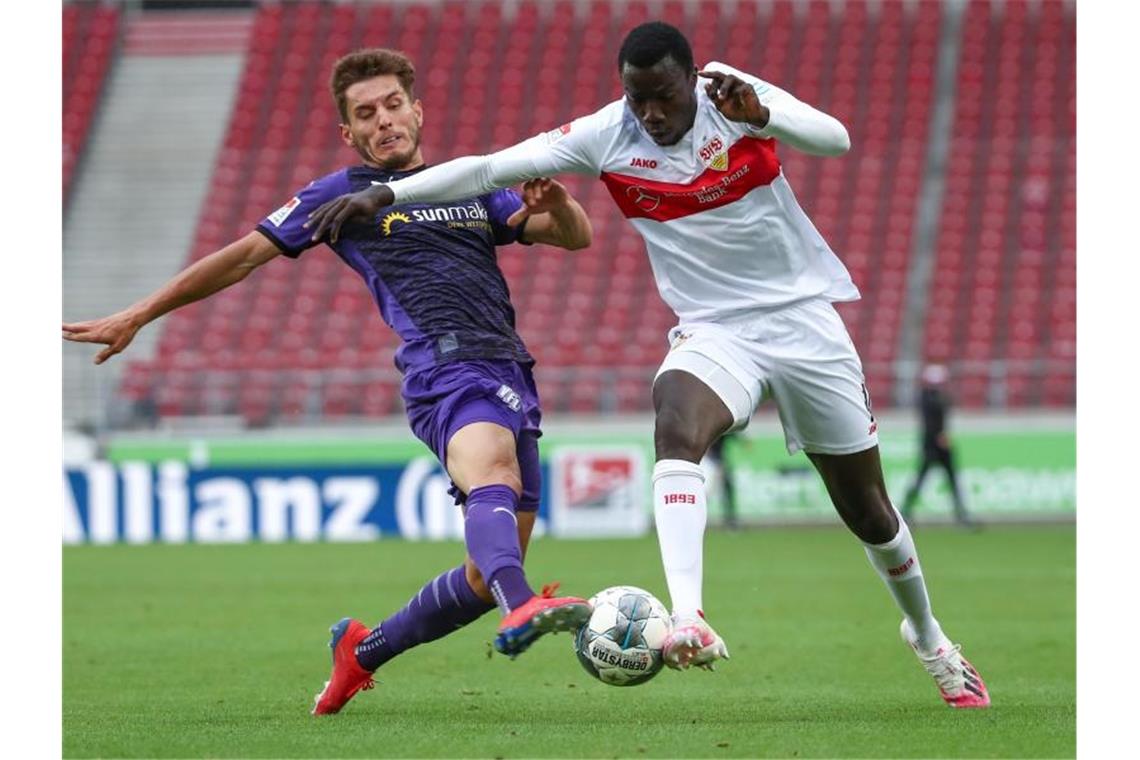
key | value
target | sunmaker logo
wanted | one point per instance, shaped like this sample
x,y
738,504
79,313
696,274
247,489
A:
x,y
464,215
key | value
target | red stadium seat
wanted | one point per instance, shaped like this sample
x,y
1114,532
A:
x,y
90,37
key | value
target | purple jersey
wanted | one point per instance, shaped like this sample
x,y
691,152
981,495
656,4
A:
x,y
430,266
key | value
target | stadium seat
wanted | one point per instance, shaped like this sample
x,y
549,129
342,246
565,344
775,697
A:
x,y
91,34
1000,256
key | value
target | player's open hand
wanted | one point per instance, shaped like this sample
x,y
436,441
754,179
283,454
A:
x,y
116,332
361,206
539,196
734,98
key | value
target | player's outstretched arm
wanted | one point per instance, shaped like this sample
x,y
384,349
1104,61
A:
x,y
570,148
555,218
465,177
206,276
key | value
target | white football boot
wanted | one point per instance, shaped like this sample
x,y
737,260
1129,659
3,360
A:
x,y
958,681
693,642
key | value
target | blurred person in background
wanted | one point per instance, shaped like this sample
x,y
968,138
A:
x,y
468,388
721,461
934,406
689,157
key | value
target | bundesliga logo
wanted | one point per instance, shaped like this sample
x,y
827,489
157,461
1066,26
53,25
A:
x,y
281,214
555,135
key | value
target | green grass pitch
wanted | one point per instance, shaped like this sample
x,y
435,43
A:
x,y
217,651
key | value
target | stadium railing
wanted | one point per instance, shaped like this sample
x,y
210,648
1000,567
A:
x,y
260,398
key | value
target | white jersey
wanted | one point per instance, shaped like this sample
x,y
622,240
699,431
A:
x,y
723,230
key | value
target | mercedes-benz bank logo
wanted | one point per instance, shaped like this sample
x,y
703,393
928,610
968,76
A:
x,y
643,199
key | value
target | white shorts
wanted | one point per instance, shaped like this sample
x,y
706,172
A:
x,y
801,356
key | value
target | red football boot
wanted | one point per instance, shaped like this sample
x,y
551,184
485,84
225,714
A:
x,y
541,614
347,676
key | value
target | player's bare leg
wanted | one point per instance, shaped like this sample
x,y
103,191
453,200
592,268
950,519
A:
x,y
483,463
855,484
690,416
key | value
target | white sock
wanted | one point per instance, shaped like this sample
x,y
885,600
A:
x,y
897,563
680,511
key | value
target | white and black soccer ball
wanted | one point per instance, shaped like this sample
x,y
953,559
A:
x,y
621,642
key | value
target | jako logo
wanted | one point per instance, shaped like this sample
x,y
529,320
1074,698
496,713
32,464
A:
x,y
644,163
901,568
680,498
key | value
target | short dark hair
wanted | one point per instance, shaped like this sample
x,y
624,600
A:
x,y
652,42
366,64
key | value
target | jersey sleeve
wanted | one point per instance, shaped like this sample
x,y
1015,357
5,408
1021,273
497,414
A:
x,y
500,205
575,148
790,120
284,226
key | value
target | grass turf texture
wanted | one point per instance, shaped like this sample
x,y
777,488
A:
x,y
217,651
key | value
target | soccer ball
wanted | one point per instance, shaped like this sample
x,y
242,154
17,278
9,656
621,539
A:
x,y
621,642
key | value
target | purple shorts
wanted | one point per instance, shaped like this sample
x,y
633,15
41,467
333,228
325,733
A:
x,y
442,399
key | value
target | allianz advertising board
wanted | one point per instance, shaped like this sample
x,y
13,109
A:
x,y
584,492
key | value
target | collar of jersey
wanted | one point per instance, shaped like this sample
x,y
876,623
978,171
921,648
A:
x,y
393,176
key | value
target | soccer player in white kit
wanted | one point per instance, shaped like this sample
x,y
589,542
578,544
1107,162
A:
x,y
690,158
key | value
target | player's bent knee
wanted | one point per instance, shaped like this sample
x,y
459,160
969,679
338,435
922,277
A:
x,y
499,475
675,437
483,454
873,519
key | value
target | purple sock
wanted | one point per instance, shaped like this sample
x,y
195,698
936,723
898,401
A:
x,y
492,533
443,605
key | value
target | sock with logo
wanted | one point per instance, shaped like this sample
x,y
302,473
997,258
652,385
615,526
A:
x,y
444,604
897,562
492,534
680,512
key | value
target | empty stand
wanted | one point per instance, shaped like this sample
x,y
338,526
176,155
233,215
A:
x,y
1004,285
303,339
90,33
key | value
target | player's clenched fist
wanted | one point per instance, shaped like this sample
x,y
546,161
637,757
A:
x,y
734,98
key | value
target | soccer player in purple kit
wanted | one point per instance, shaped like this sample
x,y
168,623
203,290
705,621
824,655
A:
x,y
468,388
